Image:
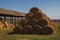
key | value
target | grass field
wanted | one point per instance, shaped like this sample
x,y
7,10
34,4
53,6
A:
x,y
5,36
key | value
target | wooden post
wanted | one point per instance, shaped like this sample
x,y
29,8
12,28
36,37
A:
x,y
18,20
4,21
12,20
15,21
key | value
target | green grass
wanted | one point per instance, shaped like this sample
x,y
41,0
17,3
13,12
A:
x,y
5,36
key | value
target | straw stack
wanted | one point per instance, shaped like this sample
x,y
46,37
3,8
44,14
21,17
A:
x,y
36,22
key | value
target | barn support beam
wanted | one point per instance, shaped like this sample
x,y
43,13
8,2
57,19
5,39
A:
x,y
5,21
12,20
15,21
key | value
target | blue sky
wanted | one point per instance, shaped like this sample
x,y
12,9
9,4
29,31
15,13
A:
x,y
50,7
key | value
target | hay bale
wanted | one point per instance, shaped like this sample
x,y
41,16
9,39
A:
x,y
43,22
23,22
50,21
17,30
1,25
36,12
35,20
37,29
28,15
32,22
47,18
54,25
11,26
48,30
38,15
35,9
27,29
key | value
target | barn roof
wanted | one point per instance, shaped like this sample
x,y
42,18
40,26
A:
x,y
6,12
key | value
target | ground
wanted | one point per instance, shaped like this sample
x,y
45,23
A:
x,y
5,36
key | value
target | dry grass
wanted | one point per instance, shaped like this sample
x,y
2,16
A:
x,y
5,36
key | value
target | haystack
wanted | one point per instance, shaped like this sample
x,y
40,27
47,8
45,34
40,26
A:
x,y
36,22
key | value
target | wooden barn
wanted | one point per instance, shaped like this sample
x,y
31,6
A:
x,y
11,16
